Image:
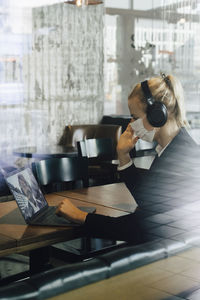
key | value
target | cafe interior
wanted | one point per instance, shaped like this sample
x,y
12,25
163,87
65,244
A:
x,y
67,68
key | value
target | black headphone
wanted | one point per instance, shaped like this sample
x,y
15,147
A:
x,y
156,110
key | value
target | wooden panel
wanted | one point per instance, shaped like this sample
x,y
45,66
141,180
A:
x,y
6,242
6,207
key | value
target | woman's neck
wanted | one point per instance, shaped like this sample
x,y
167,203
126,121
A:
x,y
166,133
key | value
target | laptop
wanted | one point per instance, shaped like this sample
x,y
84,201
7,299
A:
x,y
31,201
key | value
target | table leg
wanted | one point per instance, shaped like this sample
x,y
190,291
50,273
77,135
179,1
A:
x,y
39,260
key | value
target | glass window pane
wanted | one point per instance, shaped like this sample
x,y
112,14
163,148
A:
x,y
166,38
145,5
51,68
117,3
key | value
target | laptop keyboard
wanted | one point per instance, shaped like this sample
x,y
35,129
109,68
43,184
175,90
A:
x,y
49,217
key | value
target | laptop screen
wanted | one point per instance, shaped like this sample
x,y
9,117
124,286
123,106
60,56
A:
x,y
26,192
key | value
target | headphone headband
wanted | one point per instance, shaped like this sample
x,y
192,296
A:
x,y
146,91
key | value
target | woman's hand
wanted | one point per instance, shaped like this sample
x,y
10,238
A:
x,y
69,211
127,141
125,144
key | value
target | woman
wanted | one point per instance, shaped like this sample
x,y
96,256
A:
x,y
175,159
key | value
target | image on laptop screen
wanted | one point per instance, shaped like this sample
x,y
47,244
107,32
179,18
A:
x,y
26,192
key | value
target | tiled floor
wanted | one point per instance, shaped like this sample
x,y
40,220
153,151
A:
x,y
13,264
173,278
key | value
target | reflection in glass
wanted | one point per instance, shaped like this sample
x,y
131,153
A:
x,y
51,68
155,36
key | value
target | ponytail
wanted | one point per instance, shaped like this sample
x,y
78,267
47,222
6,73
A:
x,y
168,90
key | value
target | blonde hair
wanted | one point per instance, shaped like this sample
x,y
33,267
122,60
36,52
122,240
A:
x,y
168,90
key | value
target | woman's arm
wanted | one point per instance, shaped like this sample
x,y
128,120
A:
x,y
124,228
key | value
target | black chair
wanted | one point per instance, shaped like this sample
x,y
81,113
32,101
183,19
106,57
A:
x,y
102,170
51,173
142,148
102,159
98,148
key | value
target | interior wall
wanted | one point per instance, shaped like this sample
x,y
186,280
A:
x,y
59,71
66,64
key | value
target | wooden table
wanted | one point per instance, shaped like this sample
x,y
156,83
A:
x,y
45,152
142,162
113,200
18,237
114,196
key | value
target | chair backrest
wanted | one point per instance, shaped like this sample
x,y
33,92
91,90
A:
x,y
97,148
55,170
122,120
81,146
74,133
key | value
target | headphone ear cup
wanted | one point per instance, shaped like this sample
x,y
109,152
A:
x,y
156,110
157,113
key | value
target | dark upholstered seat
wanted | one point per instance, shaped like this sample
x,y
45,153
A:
x,y
62,279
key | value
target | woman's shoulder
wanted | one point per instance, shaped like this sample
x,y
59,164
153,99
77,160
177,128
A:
x,y
183,141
